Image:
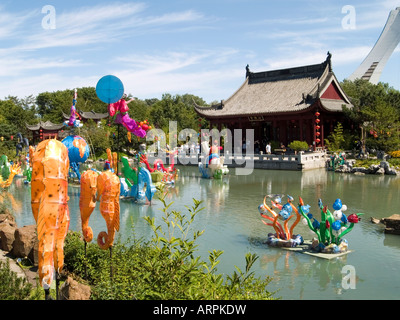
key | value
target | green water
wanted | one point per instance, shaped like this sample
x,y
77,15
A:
x,y
232,223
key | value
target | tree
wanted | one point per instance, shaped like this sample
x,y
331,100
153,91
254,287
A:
x,y
336,139
375,113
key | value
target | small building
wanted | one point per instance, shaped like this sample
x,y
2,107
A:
x,y
300,103
45,130
86,115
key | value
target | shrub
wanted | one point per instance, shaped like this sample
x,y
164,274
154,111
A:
x,y
298,145
13,287
164,267
395,154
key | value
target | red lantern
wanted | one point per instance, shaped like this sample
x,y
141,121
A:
x,y
12,137
318,133
317,127
317,114
317,140
317,120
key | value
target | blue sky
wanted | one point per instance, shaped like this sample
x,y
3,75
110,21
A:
x,y
180,46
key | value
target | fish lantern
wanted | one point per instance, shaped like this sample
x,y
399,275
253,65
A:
x,y
49,201
286,211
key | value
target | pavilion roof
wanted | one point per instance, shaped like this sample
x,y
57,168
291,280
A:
x,y
89,115
280,91
47,125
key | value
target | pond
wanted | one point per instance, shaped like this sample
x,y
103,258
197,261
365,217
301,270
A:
x,y
233,224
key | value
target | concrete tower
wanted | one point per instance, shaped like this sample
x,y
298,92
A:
x,y
371,68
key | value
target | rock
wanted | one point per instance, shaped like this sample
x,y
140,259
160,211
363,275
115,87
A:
x,y
361,170
385,165
375,220
73,290
374,168
8,217
392,231
392,224
357,173
6,236
24,243
393,221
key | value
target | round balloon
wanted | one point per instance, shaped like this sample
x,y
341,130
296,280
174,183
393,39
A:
x,y
110,89
78,149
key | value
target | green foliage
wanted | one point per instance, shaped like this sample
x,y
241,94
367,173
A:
x,y
164,267
298,145
176,108
335,141
13,287
376,112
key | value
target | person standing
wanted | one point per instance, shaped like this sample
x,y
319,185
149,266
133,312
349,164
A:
x,y
268,148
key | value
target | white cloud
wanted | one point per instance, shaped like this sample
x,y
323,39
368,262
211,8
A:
x,y
181,72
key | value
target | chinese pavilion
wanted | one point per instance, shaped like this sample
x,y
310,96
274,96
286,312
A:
x,y
301,103
86,115
45,130
49,130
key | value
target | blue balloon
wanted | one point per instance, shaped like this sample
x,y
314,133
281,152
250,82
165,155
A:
x,y
110,89
337,205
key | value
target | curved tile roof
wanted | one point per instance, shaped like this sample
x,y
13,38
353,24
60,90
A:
x,y
48,125
280,91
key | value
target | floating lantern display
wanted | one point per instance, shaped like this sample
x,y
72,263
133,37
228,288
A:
x,y
332,227
283,236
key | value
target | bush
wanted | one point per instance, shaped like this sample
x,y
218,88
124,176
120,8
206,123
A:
x,y
13,287
395,154
298,145
164,267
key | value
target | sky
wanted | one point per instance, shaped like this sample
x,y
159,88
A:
x,y
199,47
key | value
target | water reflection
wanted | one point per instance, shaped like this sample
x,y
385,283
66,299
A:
x,y
300,273
232,223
